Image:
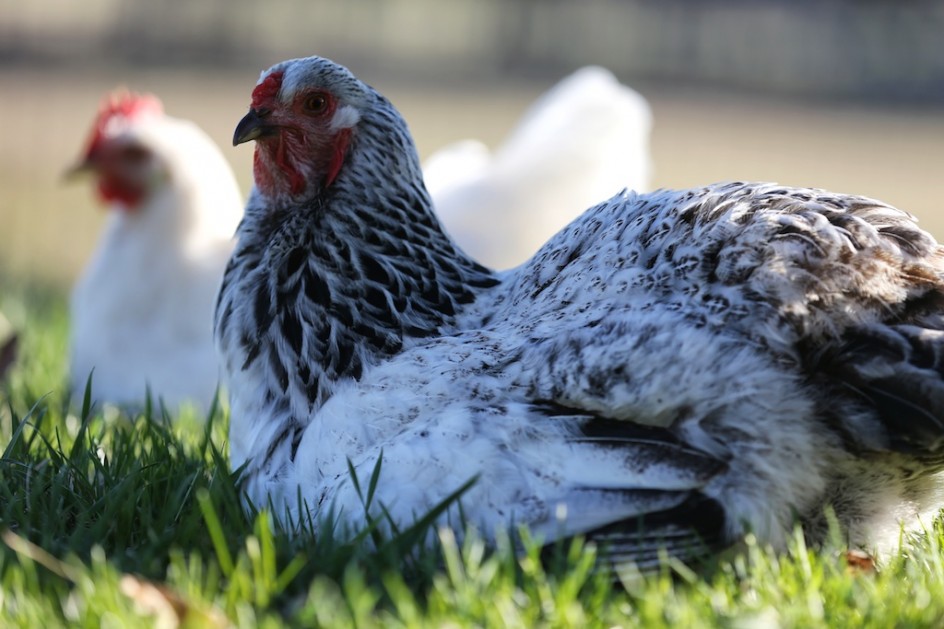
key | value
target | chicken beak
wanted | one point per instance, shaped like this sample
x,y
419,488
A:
x,y
77,170
252,126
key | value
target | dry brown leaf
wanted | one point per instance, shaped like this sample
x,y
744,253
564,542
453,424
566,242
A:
x,y
859,562
170,609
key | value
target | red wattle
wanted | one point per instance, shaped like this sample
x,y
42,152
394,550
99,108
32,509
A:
x,y
337,156
126,197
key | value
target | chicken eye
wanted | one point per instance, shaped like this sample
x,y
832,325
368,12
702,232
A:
x,y
134,154
316,104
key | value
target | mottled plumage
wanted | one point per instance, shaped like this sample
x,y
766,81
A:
x,y
670,369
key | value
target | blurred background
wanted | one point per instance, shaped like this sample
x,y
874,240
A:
x,y
840,94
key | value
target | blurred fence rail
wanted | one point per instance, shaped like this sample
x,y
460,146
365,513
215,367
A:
x,y
871,49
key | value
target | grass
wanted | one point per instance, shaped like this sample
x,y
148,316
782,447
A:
x,y
109,519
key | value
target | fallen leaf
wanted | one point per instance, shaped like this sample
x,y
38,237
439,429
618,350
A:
x,y
169,608
859,562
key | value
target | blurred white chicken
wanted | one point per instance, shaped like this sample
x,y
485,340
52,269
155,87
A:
x,y
142,310
584,140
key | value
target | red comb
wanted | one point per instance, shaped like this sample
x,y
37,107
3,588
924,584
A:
x,y
267,90
122,104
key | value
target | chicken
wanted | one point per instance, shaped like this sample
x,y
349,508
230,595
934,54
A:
x,y
142,310
670,370
584,140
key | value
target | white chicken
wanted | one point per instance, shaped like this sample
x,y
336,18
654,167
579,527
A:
x,y
584,140
142,309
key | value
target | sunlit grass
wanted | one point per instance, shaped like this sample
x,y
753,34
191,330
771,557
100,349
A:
x,y
111,519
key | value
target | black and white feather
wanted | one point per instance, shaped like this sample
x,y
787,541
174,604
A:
x,y
671,369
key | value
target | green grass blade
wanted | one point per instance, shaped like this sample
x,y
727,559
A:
x,y
216,532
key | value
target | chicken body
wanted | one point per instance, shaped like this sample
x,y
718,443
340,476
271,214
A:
x,y
584,140
669,371
142,309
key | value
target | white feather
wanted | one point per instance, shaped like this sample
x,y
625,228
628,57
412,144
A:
x,y
142,309
584,140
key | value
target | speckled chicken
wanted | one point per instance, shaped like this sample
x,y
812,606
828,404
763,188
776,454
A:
x,y
669,371
142,310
